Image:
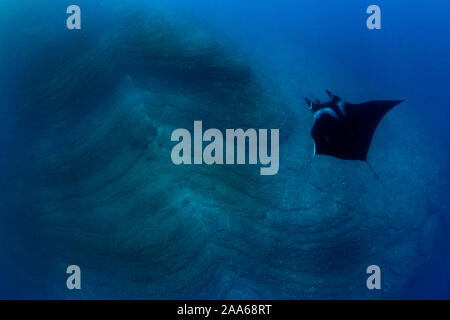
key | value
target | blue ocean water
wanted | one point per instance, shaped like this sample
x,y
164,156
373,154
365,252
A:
x,y
86,176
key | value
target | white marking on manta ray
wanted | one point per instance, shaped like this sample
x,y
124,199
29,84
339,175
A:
x,y
323,111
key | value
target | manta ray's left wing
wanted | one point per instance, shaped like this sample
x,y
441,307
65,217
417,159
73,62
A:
x,y
331,137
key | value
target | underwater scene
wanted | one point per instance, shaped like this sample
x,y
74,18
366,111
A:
x,y
224,149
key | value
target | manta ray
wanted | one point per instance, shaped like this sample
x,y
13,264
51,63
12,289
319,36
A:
x,y
344,130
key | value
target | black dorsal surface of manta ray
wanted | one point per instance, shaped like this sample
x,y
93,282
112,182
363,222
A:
x,y
345,130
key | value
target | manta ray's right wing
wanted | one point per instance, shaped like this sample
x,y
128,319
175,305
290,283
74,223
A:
x,y
363,119
349,138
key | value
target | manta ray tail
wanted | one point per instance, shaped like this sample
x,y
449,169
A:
x,y
375,174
